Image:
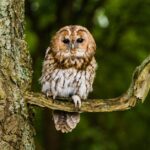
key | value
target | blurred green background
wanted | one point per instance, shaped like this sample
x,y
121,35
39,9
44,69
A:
x,y
121,29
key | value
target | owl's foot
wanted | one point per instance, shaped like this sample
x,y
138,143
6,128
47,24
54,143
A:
x,y
77,101
48,94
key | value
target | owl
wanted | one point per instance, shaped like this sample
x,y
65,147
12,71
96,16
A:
x,y
68,71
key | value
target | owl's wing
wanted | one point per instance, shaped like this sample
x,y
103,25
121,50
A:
x,y
42,78
48,68
47,51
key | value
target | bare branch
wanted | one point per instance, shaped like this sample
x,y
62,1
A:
x,y
137,91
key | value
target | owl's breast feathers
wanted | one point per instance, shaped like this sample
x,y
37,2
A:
x,y
65,82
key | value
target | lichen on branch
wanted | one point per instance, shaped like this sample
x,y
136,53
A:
x,y
138,90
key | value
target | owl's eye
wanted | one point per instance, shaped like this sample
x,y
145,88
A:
x,y
80,40
66,41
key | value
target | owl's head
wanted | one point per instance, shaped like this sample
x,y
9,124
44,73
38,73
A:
x,y
73,46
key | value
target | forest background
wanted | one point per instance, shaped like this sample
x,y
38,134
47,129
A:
x,y
122,33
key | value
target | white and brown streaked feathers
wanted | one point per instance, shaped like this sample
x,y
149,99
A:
x,y
69,70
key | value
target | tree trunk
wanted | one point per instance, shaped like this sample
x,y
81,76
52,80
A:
x,y
16,132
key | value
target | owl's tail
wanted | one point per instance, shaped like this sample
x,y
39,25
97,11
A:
x,y
65,121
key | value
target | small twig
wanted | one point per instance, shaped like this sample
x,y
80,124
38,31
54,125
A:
x,y
138,90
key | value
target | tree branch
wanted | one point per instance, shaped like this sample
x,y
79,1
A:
x,y
137,91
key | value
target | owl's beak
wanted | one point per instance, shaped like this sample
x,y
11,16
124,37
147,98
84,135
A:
x,y
72,46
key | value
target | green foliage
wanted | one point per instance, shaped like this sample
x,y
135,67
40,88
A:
x,y
121,30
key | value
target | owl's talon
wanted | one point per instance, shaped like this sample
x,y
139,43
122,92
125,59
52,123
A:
x,y
54,97
48,94
77,101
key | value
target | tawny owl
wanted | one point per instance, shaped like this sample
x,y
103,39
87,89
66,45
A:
x,y
68,71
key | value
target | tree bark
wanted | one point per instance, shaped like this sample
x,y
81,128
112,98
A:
x,y
16,132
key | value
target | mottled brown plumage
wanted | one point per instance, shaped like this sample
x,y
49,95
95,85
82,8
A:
x,y
69,70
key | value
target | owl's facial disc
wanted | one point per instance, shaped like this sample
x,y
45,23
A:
x,y
73,45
